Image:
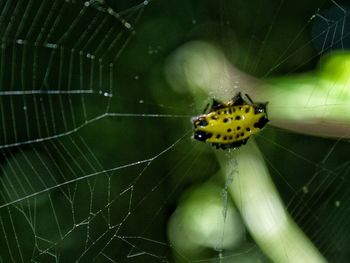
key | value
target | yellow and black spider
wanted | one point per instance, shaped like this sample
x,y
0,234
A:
x,y
230,124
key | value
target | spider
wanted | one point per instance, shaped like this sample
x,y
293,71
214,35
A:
x,y
230,124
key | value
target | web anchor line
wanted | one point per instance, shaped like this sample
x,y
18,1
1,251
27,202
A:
x,y
35,92
141,115
149,160
73,181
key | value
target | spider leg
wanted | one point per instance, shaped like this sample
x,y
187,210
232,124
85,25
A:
x,y
238,100
249,98
206,108
216,105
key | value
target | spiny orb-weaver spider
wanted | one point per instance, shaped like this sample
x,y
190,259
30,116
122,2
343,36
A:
x,y
230,124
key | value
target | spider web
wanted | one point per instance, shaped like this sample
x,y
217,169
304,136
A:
x,y
93,162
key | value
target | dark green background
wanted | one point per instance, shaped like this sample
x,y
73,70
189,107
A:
x,y
123,211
